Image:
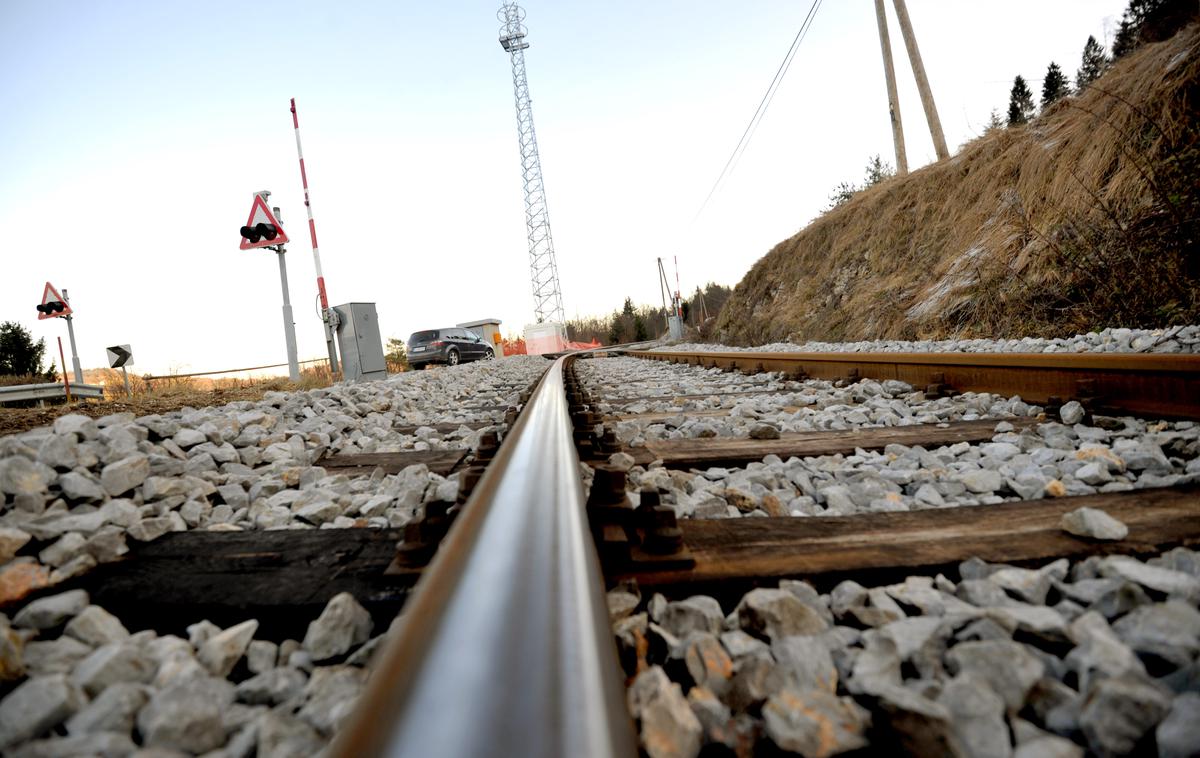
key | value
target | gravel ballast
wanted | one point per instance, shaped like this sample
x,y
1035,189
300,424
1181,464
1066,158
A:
x,y
1175,339
219,690
997,660
1057,456
79,492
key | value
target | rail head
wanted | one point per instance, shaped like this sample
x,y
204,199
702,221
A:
x,y
505,646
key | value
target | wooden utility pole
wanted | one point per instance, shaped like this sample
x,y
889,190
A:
x,y
914,56
893,101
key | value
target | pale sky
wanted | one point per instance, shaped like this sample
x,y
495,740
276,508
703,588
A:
x,y
133,135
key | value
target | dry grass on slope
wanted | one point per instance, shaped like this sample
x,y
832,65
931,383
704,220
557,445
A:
x,y
1084,218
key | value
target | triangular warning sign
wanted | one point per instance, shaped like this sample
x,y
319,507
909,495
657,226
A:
x,y
260,227
53,305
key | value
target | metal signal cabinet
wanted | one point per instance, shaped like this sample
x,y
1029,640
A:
x,y
359,342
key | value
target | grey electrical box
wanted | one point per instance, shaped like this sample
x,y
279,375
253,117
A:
x,y
359,342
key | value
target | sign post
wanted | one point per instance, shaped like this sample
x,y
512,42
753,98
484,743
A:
x,y
120,356
54,305
263,229
66,381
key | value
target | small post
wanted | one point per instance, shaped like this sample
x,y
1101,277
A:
x,y
125,374
63,358
289,326
74,353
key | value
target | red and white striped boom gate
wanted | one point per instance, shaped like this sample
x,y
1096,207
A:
x,y
312,231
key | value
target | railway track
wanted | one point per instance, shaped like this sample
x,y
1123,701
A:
x,y
505,645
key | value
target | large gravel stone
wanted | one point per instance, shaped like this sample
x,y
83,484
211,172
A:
x,y
101,745
57,656
78,487
330,695
668,727
21,476
1152,577
342,625
261,656
221,652
977,716
12,540
49,612
1178,735
113,663
815,723
708,663
698,613
877,667
1167,631
123,475
1007,667
272,687
776,613
1094,524
1119,713
37,705
283,736
96,626
113,710
921,726
187,715
1098,651
804,663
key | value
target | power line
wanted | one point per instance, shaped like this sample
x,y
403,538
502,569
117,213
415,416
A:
x,y
763,105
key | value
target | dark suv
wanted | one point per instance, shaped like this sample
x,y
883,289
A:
x,y
450,346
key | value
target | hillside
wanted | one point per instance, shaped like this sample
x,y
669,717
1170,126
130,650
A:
x,y
1086,217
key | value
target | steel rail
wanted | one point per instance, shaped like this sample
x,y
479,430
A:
x,y
1162,385
505,647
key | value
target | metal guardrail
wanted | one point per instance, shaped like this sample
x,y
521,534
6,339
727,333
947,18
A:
x,y
505,647
18,392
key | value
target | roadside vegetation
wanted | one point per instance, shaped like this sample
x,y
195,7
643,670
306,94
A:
x,y
1080,215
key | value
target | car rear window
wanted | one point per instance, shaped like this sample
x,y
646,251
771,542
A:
x,y
426,336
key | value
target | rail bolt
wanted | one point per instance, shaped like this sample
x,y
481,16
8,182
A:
x,y
609,444
608,486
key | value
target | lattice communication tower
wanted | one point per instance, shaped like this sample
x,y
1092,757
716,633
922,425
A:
x,y
543,270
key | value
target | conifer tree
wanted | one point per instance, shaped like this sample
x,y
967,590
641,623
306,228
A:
x,y
994,122
1152,21
1020,103
1091,66
1054,86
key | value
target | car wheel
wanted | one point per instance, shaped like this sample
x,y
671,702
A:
x,y
488,354
452,358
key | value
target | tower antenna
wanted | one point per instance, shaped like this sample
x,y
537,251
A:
x,y
543,270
